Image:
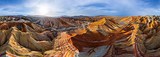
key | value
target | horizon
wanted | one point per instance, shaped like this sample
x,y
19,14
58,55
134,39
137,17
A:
x,y
80,7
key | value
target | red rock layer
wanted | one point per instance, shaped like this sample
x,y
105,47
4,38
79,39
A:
x,y
133,36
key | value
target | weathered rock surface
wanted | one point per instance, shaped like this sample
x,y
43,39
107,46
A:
x,y
100,36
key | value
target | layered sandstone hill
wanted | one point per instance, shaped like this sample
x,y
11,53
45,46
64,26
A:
x,y
99,36
24,39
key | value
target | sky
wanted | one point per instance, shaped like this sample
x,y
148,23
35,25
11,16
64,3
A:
x,y
80,7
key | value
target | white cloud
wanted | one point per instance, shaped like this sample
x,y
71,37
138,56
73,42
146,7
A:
x,y
63,7
75,7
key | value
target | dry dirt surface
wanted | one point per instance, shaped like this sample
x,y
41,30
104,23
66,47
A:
x,y
80,36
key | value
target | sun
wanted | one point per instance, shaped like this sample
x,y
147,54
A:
x,y
43,9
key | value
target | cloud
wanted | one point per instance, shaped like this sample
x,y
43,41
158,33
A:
x,y
73,7
83,7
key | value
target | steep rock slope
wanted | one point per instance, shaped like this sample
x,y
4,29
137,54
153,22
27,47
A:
x,y
24,39
100,36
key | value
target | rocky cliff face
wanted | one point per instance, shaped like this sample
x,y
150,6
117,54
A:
x,y
100,36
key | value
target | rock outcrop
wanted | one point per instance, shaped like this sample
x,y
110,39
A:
x,y
101,36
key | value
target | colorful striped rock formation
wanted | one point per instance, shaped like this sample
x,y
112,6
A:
x,y
99,36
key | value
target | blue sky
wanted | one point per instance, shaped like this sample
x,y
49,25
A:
x,y
80,7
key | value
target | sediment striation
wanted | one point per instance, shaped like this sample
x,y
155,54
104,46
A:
x,y
80,36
